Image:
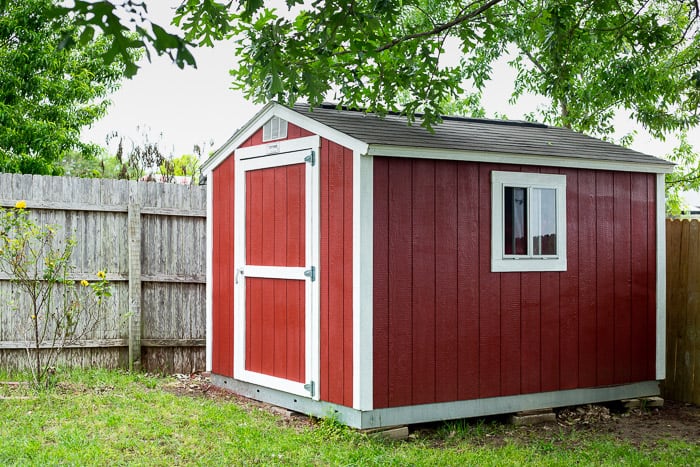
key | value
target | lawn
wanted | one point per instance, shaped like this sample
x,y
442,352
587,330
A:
x,y
114,418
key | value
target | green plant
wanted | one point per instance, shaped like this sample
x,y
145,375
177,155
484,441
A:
x,y
331,428
55,309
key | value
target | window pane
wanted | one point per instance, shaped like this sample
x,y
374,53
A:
x,y
544,225
515,220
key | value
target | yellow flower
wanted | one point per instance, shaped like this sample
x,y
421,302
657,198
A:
x,y
33,316
84,283
21,204
101,274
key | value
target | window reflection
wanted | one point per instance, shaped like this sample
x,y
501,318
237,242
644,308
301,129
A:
x,y
515,225
544,225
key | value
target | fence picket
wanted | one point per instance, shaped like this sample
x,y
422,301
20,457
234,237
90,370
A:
x,y
682,311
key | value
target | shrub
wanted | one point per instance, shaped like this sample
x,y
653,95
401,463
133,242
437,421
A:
x,y
55,310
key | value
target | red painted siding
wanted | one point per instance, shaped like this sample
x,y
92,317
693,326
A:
x,y
468,284
275,328
293,132
336,273
447,328
275,236
276,228
587,275
222,268
489,292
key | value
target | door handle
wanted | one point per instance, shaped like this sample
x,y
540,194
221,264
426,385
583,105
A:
x,y
239,271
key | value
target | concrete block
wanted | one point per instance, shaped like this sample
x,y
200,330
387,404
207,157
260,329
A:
x,y
394,433
631,403
533,417
653,401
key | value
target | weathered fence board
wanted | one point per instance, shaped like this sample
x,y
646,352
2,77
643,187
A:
x,y
166,275
683,311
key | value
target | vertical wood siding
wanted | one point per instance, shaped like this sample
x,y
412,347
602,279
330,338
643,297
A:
x,y
275,328
336,273
447,328
275,236
276,230
223,268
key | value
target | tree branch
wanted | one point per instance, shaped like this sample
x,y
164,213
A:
x,y
440,28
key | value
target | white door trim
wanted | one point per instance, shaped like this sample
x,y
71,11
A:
x,y
255,158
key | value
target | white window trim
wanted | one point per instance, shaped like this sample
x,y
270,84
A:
x,y
509,263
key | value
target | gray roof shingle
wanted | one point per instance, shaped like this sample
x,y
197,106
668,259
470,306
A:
x,y
478,135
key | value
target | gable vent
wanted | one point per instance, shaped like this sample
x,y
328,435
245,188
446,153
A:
x,y
275,128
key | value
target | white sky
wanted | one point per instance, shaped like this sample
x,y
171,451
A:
x,y
195,106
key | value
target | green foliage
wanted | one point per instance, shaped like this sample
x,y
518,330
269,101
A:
x,y
592,61
75,164
685,177
48,94
117,20
186,165
54,308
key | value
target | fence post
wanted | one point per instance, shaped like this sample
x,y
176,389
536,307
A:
x,y
134,240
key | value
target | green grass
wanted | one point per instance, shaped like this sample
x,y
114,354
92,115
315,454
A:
x,y
113,418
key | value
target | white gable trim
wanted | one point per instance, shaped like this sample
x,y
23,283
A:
x,y
522,159
274,109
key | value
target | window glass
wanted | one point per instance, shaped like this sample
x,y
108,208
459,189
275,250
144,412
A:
x,y
544,225
515,221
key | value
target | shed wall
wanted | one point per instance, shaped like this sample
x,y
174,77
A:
x,y
222,263
336,273
335,268
447,328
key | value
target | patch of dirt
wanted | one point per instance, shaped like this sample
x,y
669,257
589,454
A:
x,y
675,421
198,385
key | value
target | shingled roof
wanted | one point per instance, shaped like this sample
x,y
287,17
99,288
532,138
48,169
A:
x,y
474,135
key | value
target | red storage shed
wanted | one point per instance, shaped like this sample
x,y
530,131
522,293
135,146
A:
x,y
371,269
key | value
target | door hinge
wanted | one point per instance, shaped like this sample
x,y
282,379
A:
x,y
311,158
310,386
311,273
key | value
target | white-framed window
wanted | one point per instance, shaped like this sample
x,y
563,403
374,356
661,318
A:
x,y
275,128
528,222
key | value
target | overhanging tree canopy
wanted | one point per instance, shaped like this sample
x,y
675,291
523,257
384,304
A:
x,y
47,93
589,57
592,59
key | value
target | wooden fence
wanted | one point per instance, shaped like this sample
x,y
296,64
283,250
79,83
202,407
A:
x,y
682,311
150,238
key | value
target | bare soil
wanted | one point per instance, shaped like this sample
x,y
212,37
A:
x,y
674,421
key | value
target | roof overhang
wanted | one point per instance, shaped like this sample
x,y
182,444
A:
x,y
273,109
521,159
